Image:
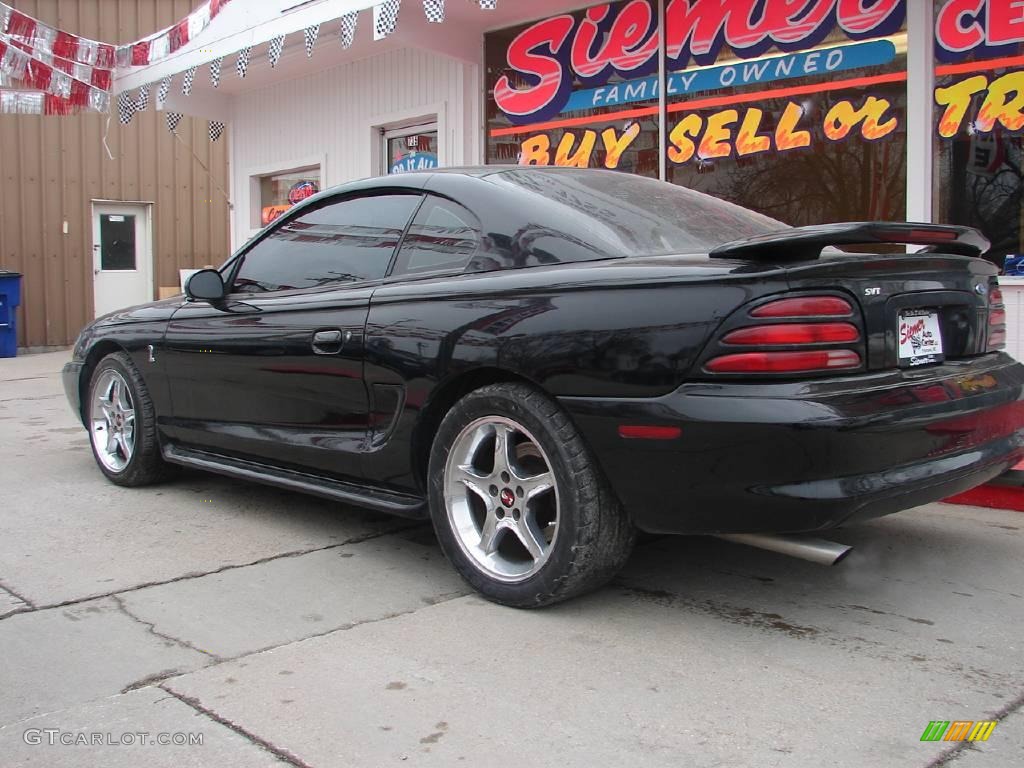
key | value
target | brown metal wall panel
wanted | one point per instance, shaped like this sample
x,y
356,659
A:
x,y
51,168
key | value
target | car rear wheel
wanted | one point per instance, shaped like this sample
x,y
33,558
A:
x,y
122,424
520,508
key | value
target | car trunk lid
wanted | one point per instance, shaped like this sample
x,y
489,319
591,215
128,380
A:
x,y
918,308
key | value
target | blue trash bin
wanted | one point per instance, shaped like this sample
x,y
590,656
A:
x,y
10,298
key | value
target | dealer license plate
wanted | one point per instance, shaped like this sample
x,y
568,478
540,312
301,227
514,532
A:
x,y
920,337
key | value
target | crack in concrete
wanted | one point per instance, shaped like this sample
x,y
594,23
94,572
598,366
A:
x,y
219,660
155,679
200,574
161,678
268,746
23,399
736,615
151,628
950,755
439,600
25,600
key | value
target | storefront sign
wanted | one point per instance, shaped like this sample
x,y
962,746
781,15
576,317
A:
x,y
301,190
417,161
622,39
271,213
982,27
765,70
723,134
1001,102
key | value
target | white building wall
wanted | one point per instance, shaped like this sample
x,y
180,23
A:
x,y
1013,295
332,118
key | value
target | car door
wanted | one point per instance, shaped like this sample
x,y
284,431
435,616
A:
x,y
405,353
275,372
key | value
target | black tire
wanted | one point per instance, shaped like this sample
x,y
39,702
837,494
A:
x,y
594,536
146,465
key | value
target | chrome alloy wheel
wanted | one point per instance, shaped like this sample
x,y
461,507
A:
x,y
501,498
112,421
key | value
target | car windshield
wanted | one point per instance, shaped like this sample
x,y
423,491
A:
x,y
640,216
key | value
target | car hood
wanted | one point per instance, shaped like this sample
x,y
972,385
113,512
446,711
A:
x,y
153,311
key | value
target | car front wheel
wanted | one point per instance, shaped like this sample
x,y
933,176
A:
x,y
519,505
122,424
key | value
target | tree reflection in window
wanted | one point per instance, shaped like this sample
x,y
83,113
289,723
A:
x,y
337,242
444,236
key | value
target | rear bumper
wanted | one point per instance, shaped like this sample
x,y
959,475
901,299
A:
x,y
809,456
71,376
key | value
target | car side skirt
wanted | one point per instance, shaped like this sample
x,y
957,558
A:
x,y
400,505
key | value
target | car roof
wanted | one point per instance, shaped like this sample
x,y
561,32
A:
x,y
420,180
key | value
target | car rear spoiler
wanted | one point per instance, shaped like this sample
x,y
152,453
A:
x,y
806,243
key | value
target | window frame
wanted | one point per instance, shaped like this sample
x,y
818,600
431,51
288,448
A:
x,y
428,197
235,264
257,176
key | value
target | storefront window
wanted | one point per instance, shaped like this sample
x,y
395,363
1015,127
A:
x,y
979,116
411,151
280,191
805,122
557,95
797,111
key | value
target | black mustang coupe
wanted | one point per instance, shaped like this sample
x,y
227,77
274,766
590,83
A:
x,y
544,361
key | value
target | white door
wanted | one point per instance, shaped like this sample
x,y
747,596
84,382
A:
x,y
122,256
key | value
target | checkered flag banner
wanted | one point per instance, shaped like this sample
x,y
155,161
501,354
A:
x,y
186,84
125,108
434,9
215,69
142,100
348,29
164,91
312,33
173,118
216,129
488,5
242,66
385,18
274,51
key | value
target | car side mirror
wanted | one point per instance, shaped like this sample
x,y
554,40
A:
x,y
205,285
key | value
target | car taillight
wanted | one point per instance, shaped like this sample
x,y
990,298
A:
x,y
796,334
996,320
805,306
785,362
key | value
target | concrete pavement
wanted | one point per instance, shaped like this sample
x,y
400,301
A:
x,y
287,630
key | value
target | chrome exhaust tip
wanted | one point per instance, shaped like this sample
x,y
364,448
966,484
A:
x,y
814,550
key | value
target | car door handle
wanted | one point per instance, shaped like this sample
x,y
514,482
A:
x,y
330,342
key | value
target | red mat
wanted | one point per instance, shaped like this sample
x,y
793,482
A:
x,y
994,496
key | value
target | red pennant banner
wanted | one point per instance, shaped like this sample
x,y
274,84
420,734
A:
x,y
28,69
167,41
45,38
98,78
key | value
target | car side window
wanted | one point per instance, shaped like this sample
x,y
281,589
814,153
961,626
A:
x,y
340,241
443,236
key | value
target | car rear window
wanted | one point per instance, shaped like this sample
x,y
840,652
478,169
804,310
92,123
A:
x,y
640,216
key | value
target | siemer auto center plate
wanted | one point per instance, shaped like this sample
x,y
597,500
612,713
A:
x,y
920,337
